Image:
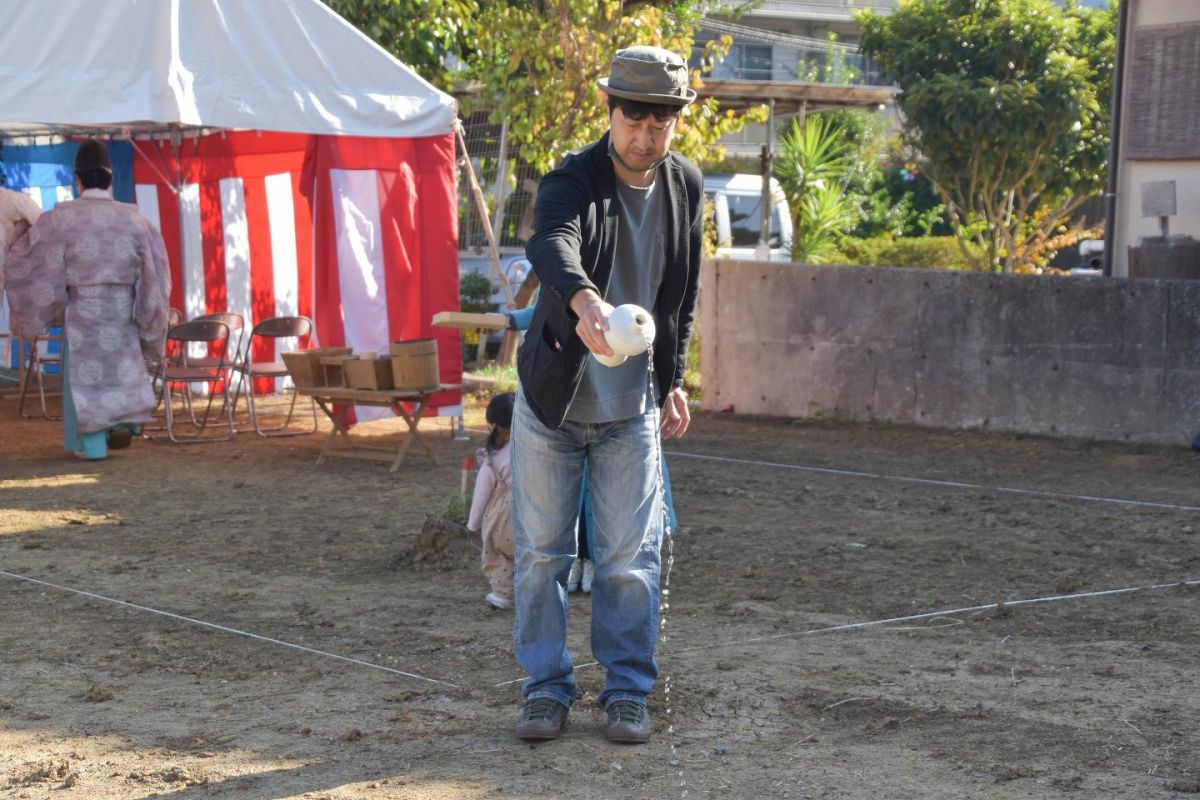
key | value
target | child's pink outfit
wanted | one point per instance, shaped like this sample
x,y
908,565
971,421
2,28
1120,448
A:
x,y
491,515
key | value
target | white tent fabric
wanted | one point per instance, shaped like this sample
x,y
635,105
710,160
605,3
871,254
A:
x,y
277,65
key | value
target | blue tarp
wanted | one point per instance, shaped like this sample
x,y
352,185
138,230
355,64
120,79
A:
x,y
49,168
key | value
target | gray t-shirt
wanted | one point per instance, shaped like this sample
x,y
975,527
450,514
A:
x,y
607,394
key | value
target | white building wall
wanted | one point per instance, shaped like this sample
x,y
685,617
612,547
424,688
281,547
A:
x,y
1130,224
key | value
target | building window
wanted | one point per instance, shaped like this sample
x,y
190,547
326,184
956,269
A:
x,y
747,62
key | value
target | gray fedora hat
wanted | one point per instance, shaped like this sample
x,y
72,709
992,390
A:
x,y
650,75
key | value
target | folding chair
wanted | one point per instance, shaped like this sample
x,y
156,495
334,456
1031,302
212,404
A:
x,y
184,372
6,343
43,355
174,317
236,323
229,357
266,334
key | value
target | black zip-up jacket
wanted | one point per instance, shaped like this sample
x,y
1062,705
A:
x,y
572,248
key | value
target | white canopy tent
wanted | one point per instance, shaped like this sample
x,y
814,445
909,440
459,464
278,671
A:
x,y
273,65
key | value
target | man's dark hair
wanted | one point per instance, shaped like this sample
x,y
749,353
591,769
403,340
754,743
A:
x,y
93,164
95,178
636,109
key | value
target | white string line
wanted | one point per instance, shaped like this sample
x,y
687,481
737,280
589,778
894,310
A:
x,y
999,606
935,482
909,618
224,629
522,680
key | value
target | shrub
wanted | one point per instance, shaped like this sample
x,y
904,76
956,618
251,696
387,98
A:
x,y
932,252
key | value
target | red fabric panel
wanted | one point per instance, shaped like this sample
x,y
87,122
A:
x,y
419,212
437,222
401,250
262,271
246,153
213,244
168,213
327,293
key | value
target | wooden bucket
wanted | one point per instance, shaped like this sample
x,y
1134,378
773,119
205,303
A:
x,y
415,364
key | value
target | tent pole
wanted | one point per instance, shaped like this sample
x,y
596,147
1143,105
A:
x,y
501,178
481,206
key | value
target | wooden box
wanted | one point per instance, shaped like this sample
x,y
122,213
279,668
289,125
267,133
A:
x,y
368,373
305,365
332,366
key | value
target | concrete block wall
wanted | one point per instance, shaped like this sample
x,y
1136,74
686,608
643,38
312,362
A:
x,y
1109,359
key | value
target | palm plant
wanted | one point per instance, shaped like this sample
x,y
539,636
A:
x,y
812,166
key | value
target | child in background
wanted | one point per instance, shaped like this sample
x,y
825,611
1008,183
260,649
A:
x,y
583,569
491,506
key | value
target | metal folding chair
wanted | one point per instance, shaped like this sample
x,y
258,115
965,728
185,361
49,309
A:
x,y
264,337
45,353
183,371
6,343
233,350
174,317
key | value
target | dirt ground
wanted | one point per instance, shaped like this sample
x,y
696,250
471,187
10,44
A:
x,y
762,694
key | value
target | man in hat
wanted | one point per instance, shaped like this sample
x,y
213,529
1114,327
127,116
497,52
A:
x,y
105,266
619,221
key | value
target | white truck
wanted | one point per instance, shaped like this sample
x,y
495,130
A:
x,y
737,203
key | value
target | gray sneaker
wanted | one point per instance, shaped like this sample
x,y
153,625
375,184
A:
x,y
628,722
541,718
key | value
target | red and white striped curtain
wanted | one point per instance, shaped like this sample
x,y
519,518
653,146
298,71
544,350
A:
x,y
361,234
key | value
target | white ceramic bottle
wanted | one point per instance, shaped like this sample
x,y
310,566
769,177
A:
x,y
630,333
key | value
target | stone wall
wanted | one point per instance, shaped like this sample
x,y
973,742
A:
x,y
1099,358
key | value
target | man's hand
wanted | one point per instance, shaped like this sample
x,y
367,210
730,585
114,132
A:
x,y
593,320
675,414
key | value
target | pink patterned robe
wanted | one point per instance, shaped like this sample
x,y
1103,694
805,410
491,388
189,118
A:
x,y
14,207
106,266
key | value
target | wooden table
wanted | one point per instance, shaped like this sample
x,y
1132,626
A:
x,y
336,401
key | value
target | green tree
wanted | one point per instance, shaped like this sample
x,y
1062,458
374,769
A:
x,y
539,62
1007,102
428,35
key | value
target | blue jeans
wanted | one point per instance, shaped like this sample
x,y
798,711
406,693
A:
x,y
623,460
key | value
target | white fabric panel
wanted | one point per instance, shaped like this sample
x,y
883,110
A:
x,y
36,193
360,265
191,243
281,215
237,247
284,65
146,197
285,268
64,193
236,230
